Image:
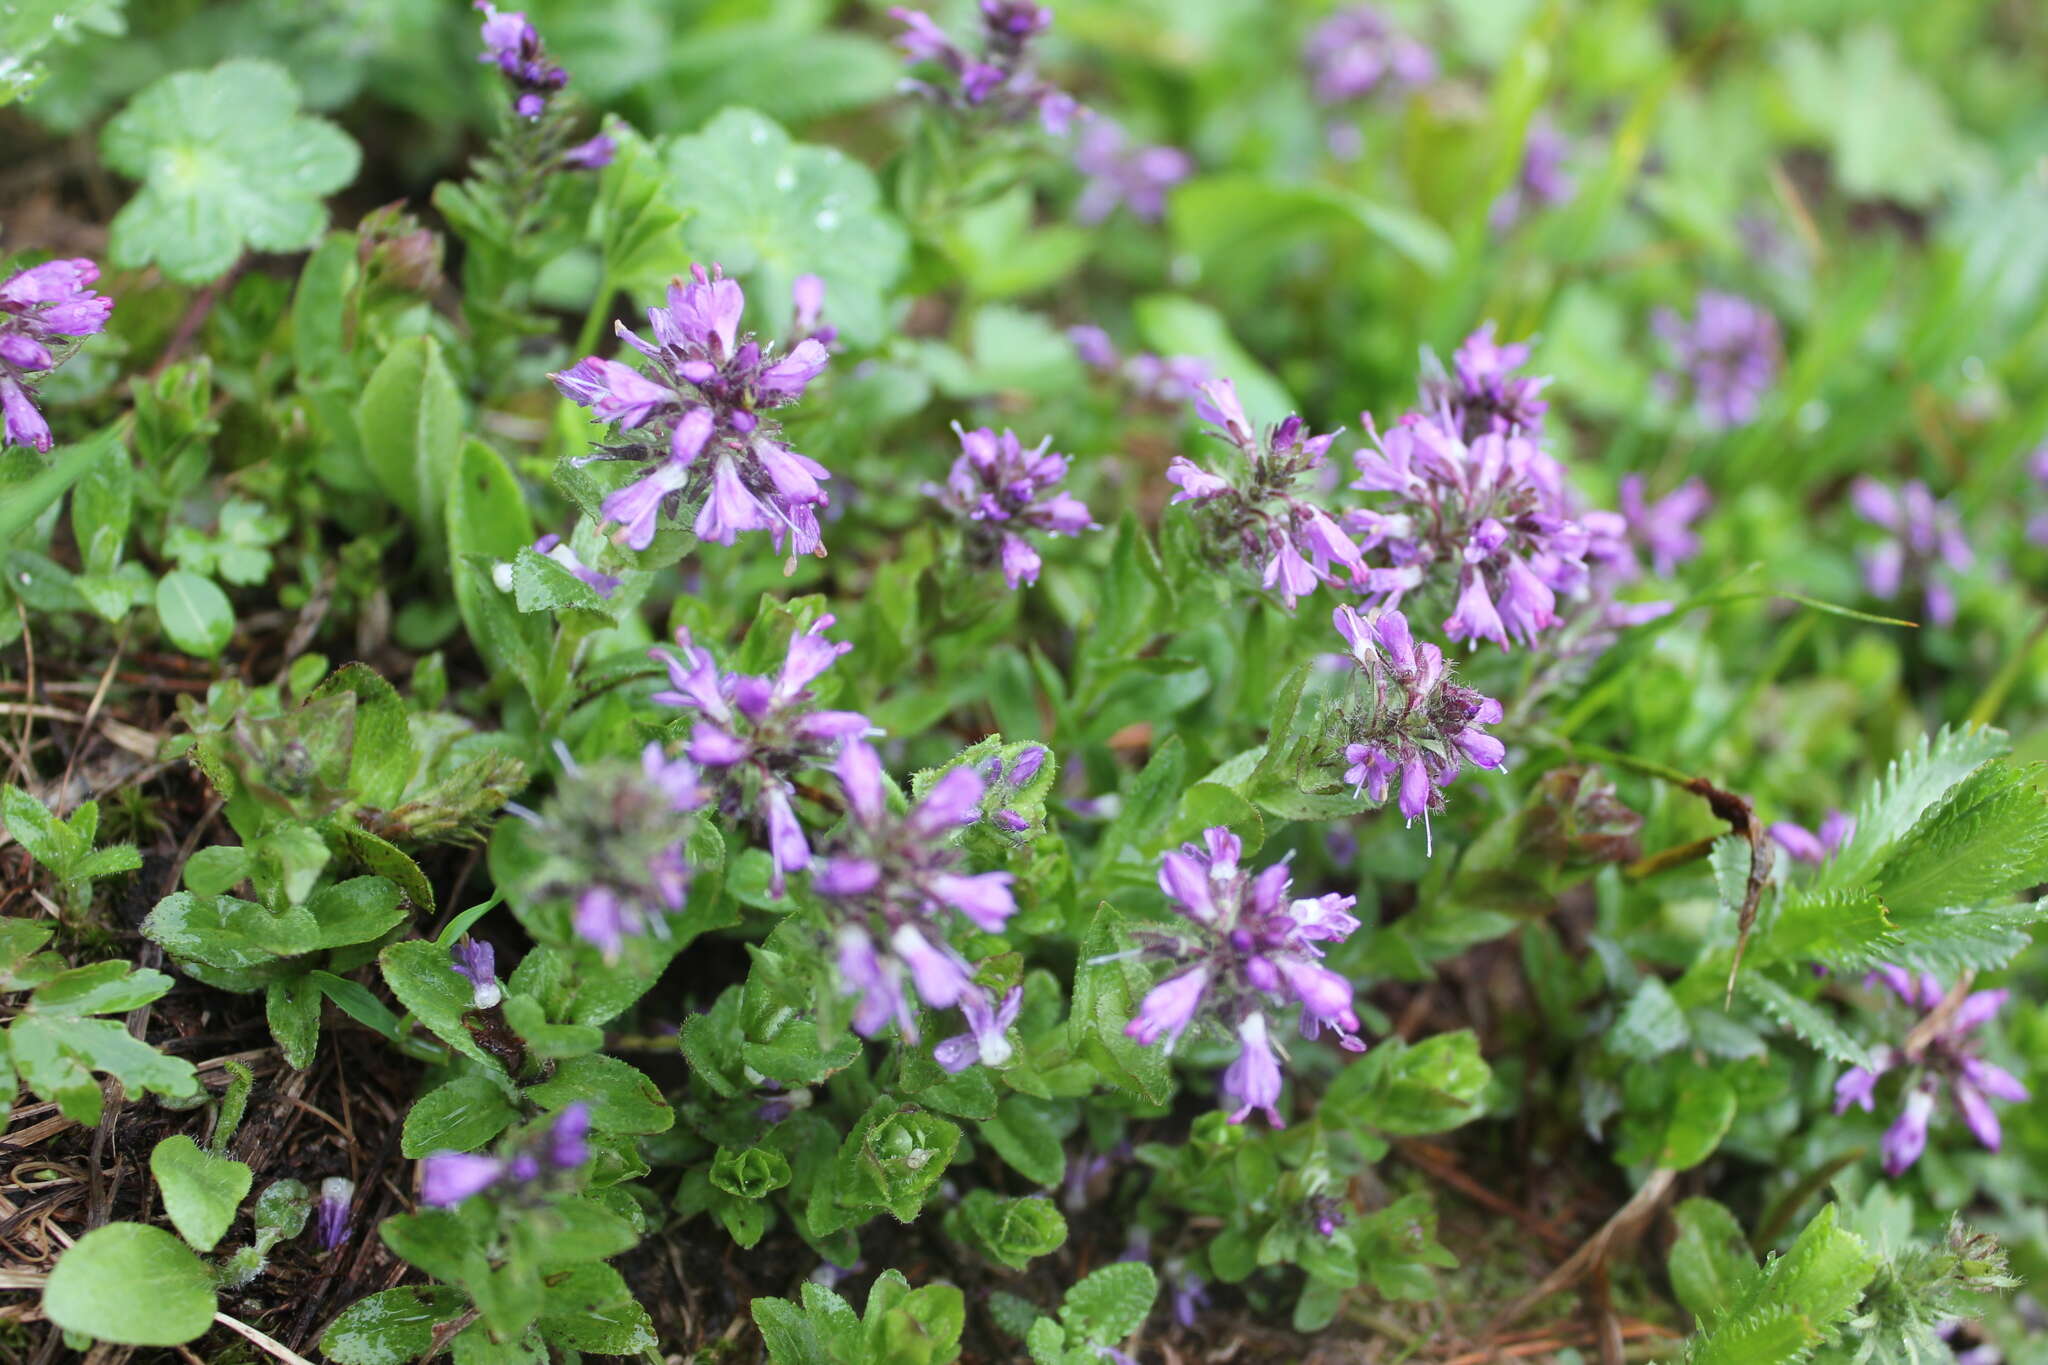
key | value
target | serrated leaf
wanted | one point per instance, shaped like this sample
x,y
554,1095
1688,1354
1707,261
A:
x,y
1915,780
1109,1304
1651,1024
769,209
1984,840
1804,1018
227,162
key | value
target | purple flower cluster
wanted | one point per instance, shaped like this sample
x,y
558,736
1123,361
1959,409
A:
x,y
523,1171
1357,51
1948,1054
1409,720
1136,177
1492,508
1023,770
998,489
1805,845
514,46
1662,529
701,418
1171,380
1002,80
1926,548
1540,183
1260,521
754,734
614,837
889,880
39,308
1248,950
1726,357
1483,391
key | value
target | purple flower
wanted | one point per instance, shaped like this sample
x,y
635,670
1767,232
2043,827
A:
x,y
1540,183
753,735
1489,512
1136,177
448,1178
1947,1054
985,1039
1405,717
1664,527
1810,846
1727,358
888,881
337,1195
41,307
1246,948
591,155
1252,1082
999,83
1259,520
1926,548
998,489
476,961
704,406
613,839
1357,51
529,1167
514,46
603,584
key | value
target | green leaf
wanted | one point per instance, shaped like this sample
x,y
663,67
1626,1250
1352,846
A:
x,y
459,1116
893,1158
1915,780
487,521
426,983
359,910
200,1191
101,988
131,1284
589,1308
292,1008
195,614
381,757
57,1059
1109,1304
1794,1302
1888,131
1705,1107
410,419
1983,841
1711,1265
1429,1087
637,227
1804,1018
1010,1232
49,841
1227,219
622,1098
914,1326
393,1327
1107,990
1021,1136
227,162
770,209
1651,1025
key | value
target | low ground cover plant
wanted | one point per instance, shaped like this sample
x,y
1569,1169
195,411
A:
x,y
1143,683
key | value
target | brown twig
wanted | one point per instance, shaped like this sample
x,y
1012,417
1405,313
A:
x,y
1626,1220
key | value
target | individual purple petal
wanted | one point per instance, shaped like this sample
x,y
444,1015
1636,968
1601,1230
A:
x,y
1252,1082
1906,1139
1168,1008
448,1178
984,897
